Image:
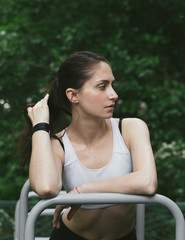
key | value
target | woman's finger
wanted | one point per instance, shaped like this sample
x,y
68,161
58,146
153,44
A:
x,y
56,222
29,109
45,99
47,96
56,218
38,104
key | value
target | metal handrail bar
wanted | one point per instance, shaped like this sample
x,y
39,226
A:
x,y
21,210
140,217
21,214
105,198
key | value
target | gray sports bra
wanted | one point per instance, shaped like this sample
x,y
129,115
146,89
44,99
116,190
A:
x,y
75,173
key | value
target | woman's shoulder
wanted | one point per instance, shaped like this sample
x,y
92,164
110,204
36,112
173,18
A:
x,y
132,125
133,130
131,121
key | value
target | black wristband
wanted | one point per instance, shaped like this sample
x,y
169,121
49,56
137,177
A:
x,y
40,126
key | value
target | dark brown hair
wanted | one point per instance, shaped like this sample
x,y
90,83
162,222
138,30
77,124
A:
x,y
73,73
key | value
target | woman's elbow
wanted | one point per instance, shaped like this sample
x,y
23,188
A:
x,y
47,191
150,186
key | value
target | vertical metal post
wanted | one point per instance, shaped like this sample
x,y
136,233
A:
x,y
140,221
16,230
23,209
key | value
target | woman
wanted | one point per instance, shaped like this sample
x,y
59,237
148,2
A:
x,y
92,155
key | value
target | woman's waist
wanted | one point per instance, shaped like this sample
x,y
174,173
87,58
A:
x,y
115,220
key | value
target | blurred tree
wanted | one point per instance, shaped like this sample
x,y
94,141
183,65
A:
x,y
170,157
143,40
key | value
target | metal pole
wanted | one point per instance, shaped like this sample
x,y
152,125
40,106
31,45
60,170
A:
x,y
140,221
105,198
16,229
23,209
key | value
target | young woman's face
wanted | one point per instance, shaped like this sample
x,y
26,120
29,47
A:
x,y
97,97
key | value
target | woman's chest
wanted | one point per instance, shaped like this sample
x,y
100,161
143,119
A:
x,y
97,154
96,157
75,173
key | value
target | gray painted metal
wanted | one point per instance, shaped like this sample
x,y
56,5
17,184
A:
x,y
140,221
98,198
26,227
23,209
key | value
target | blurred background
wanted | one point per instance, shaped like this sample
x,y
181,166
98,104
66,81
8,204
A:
x,y
145,44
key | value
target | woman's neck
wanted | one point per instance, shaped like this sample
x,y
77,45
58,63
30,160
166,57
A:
x,y
87,130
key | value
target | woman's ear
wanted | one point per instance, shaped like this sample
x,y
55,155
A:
x,y
72,95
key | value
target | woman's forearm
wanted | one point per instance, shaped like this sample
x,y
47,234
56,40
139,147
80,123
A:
x,y
44,175
133,183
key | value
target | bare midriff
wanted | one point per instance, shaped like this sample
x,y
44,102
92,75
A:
x,y
102,224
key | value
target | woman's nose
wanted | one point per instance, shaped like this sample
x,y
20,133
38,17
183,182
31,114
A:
x,y
113,94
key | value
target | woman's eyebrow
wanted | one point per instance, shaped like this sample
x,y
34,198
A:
x,y
106,81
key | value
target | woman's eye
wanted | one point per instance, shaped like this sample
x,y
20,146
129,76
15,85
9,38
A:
x,y
102,87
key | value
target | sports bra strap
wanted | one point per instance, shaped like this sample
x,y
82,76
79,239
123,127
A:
x,y
61,143
120,125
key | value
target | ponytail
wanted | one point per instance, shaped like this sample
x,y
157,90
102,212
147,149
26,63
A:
x,y
24,144
56,110
58,105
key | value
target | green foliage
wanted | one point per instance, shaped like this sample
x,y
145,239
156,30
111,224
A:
x,y
170,161
7,220
144,41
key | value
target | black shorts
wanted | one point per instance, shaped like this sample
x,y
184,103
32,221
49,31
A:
x,y
64,233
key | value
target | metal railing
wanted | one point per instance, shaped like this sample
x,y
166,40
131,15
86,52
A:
x,y
26,222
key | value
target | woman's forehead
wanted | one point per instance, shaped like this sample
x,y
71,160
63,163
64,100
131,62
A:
x,y
103,72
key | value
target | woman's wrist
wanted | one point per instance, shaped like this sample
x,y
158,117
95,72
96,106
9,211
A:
x,y
85,188
76,190
40,121
42,126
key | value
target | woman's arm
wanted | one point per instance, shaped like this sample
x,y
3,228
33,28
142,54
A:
x,y
45,169
143,179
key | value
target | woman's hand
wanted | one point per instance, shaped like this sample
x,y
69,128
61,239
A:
x,y
40,112
58,210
